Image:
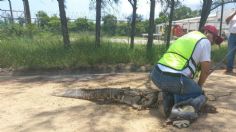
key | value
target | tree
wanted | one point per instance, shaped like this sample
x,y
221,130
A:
x,y
98,22
132,33
54,23
99,5
83,24
140,25
163,18
27,11
109,24
64,28
21,21
139,18
146,25
183,12
196,13
122,28
170,23
72,26
11,19
172,4
206,8
42,19
151,24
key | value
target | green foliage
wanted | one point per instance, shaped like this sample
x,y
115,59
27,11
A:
x,y
184,12
54,24
163,17
42,18
72,26
140,28
139,18
21,20
2,22
47,23
146,25
218,53
82,24
181,12
11,30
141,25
109,24
196,13
122,29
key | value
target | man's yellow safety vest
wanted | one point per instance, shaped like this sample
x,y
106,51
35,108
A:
x,y
179,54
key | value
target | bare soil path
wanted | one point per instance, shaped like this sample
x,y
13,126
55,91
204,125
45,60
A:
x,y
27,106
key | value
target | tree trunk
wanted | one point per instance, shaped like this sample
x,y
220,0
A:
x,y
170,23
221,18
133,24
206,8
63,19
27,11
151,24
12,20
98,22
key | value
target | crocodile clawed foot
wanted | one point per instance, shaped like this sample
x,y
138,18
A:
x,y
138,107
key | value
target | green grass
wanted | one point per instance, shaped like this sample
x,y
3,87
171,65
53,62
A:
x,y
219,53
47,52
125,37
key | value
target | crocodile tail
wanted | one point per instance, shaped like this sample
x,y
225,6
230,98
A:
x,y
89,94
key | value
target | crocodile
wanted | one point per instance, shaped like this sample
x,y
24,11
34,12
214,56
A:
x,y
136,98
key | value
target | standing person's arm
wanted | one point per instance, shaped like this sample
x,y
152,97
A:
x,y
205,71
229,18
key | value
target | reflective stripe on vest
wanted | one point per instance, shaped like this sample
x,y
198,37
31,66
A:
x,y
179,54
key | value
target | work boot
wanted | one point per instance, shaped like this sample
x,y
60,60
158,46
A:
x,y
181,123
228,71
165,103
188,109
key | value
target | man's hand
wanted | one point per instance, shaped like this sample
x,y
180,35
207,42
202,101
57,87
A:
x,y
228,19
205,71
211,70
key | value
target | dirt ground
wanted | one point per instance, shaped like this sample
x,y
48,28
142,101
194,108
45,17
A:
x,y
27,106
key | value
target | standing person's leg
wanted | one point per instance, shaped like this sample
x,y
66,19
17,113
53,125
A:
x,y
231,52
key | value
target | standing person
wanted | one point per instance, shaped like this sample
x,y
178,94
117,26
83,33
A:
x,y
231,21
174,72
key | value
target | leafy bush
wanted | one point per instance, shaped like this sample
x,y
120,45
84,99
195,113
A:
x,y
18,30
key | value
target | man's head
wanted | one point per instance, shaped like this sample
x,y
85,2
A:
x,y
212,34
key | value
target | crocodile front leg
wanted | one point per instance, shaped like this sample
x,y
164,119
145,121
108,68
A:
x,y
131,101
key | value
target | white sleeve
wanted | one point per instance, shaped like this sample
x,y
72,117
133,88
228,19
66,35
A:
x,y
206,50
